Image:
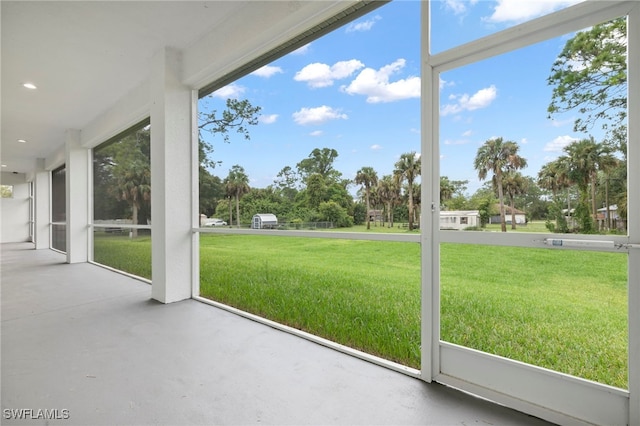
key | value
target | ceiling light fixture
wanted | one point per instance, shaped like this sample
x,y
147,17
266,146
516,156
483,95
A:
x,y
22,141
4,165
30,86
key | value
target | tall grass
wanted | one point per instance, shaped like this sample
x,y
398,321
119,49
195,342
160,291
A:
x,y
131,255
347,291
563,310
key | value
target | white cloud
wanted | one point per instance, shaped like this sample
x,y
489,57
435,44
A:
x,y
558,144
458,7
232,91
515,11
317,115
524,141
362,25
376,87
481,99
443,83
322,75
316,133
267,71
376,147
302,50
268,119
561,123
467,133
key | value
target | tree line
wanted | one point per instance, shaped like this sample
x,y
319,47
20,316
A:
x,y
588,76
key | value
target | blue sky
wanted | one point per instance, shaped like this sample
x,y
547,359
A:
x,y
357,90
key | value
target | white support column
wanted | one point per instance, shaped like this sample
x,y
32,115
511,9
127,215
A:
x,y
42,200
77,172
430,260
171,109
633,197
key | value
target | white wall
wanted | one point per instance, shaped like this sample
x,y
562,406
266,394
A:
x,y
14,212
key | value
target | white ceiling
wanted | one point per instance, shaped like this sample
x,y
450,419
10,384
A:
x,y
84,56
80,52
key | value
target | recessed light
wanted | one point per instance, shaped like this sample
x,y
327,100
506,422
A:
x,y
30,86
22,141
4,165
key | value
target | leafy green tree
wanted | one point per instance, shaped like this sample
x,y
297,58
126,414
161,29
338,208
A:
x,y
590,76
534,201
514,184
127,162
483,200
359,213
316,191
238,115
106,205
389,193
446,189
286,182
408,168
223,207
452,194
554,177
338,191
319,161
211,192
265,200
368,178
237,183
331,211
497,156
585,158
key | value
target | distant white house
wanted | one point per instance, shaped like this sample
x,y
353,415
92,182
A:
x,y
613,210
616,222
521,218
459,219
264,221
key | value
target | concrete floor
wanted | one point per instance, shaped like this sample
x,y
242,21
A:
x,y
89,341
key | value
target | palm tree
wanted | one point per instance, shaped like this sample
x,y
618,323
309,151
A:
x,y
497,156
608,164
238,185
586,157
230,192
133,184
554,176
367,177
388,193
514,184
408,168
447,189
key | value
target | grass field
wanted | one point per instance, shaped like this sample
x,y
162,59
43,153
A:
x,y
566,311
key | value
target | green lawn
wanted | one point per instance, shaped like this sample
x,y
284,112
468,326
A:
x,y
564,310
123,253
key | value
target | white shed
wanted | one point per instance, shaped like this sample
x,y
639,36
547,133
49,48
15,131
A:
x,y
459,219
264,221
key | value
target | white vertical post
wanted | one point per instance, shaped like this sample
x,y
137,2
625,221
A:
x,y
430,304
195,196
633,188
42,200
77,168
171,108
